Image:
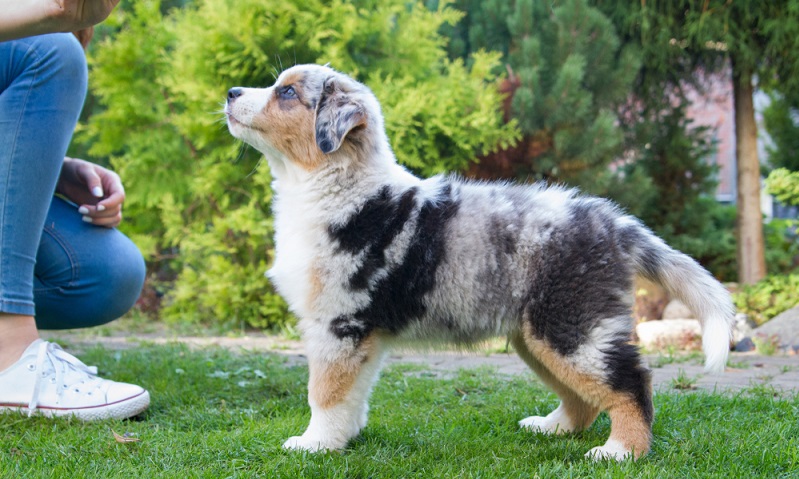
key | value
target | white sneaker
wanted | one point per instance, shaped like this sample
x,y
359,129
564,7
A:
x,y
49,381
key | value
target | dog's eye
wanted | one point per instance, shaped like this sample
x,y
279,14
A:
x,y
287,93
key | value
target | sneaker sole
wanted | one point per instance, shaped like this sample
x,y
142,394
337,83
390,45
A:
x,y
119,410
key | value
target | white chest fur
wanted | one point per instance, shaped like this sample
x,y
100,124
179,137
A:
x,y
297,236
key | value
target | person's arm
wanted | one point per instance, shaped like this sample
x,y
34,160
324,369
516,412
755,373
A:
x,y
25,18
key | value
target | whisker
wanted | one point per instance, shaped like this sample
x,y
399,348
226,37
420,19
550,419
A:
x,y
242,147
255,168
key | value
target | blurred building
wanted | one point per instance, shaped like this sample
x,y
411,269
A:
x,y
714,108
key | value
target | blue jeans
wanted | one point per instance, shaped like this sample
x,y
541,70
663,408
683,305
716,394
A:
x,y
66,272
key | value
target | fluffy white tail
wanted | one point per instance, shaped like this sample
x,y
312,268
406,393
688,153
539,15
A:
x,y
686,280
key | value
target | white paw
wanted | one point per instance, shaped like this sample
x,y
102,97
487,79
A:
x,y
545,425
308,443
611,450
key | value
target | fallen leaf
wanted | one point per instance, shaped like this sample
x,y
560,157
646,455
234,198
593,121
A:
x,y
125,438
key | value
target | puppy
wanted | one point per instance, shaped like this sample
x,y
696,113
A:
x,y
369,256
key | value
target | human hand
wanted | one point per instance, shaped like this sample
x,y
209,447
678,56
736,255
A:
x,y
97,191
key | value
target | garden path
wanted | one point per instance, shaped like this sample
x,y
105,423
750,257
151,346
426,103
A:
x,y
681,371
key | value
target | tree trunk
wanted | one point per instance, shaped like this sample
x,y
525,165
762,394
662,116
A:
x,y
751,248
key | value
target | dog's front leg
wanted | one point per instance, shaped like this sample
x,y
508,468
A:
x,y
341,379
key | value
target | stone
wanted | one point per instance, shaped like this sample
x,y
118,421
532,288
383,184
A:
x,y
677,310
679,333
745,345
744,327
784,326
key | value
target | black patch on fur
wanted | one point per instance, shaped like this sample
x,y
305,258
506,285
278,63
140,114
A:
x,y
398,298
373,229
579,278
349,327
628,375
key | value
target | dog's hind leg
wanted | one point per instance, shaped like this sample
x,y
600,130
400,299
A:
x,y
341,380
573,414
628,403
594,379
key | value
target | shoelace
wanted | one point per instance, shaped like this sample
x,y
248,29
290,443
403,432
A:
x,y
62,362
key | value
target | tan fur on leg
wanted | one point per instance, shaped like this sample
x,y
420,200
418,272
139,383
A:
x,y
580,413
631,435
331,381
338,393
628,425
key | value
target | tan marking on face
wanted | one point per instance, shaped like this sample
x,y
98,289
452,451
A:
x,y
628,425
288,125
331,382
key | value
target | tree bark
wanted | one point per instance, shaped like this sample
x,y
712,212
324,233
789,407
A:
x,y
751,247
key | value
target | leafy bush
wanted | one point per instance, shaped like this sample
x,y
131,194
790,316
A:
x,y
784,185
768,298
198,203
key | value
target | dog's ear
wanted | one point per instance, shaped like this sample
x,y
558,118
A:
x,y
337,114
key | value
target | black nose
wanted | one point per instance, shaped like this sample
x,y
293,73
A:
x,y
234,93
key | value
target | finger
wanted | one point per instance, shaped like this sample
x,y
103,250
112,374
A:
x,y
114,200
112,184
107,221
97,211
92,180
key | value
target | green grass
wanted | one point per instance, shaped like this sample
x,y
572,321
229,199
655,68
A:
x,y
219,414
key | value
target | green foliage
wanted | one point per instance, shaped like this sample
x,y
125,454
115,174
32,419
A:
x,y
782,243
784,185
782,247
768,298
784,132
422,125
766,345
678,36
198,203
569,73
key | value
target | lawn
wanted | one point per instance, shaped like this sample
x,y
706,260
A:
x,y
218,414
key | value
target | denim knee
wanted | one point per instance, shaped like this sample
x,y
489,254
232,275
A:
x,y
61,57
85,275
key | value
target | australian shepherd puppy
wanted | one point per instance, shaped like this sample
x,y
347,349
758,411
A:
x,y
369,256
